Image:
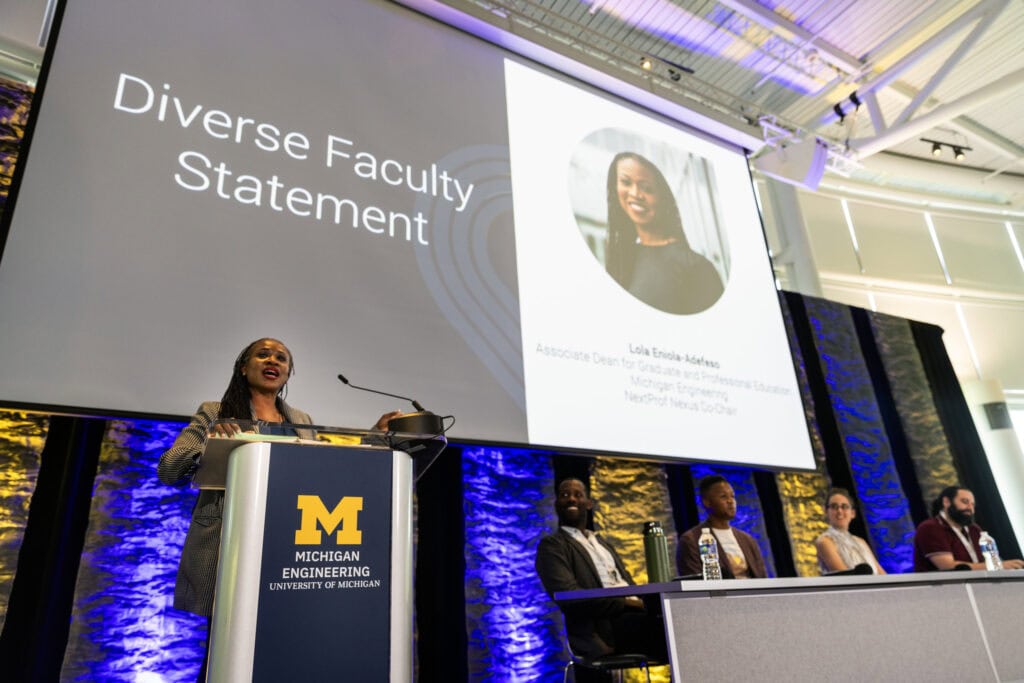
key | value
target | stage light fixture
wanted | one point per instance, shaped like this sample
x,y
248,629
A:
x,y
959,149
671,69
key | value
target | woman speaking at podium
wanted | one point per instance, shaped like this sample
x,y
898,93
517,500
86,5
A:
x,y
256,391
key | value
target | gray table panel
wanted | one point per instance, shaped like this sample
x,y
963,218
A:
x,y
877,634
940,626
1002,615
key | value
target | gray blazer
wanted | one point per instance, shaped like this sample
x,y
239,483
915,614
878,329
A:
x,y
197,571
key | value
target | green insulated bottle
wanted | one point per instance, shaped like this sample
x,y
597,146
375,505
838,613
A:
x,y
656,553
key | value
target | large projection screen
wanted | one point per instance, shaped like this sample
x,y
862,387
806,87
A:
x,y
397,201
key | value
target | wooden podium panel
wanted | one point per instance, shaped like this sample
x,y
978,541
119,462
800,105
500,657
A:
x,y
315,574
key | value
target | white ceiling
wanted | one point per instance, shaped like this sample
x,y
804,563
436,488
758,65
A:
x,y
947,70
958,61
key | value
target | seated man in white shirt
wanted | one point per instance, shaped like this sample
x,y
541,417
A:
x,y
738,553
576,558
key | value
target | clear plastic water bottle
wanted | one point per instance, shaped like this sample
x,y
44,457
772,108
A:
x,y
710,567
990,552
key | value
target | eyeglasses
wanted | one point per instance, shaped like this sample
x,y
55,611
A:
x,y
840,506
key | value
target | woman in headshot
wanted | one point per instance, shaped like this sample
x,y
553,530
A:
x,y
837,548
255,392
648,253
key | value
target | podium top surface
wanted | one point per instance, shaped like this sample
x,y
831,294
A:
x,y
258,430
224,436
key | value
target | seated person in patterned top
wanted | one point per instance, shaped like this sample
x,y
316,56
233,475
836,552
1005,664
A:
x,y
738,553
950,537
838,549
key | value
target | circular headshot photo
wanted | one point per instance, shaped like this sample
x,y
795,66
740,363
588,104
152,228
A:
x,y
651,216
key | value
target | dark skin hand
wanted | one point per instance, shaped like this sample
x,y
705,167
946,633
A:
x,y
382,423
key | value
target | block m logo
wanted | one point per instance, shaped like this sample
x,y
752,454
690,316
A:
x,y
315,513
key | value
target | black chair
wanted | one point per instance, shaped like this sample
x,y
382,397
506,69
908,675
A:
x,y
609,663
858,569
612,663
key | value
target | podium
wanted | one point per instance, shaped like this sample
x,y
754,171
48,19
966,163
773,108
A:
x,y
314,581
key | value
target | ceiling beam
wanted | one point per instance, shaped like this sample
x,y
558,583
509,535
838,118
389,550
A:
x,y
877,117
958,54
889,75
968,126
865,147
20,62
683,104
771,20
991,139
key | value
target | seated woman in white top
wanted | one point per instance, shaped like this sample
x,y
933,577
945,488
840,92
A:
x,y
838,549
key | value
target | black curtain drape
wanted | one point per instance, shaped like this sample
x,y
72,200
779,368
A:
x,y
968,451
35,632
441,642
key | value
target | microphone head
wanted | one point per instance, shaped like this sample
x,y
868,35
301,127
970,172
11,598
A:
x,y
342,378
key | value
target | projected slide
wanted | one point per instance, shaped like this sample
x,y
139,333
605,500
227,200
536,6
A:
x,y
608,358
397,201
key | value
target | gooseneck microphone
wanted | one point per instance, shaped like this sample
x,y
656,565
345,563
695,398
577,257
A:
x,y
414,402
405,432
